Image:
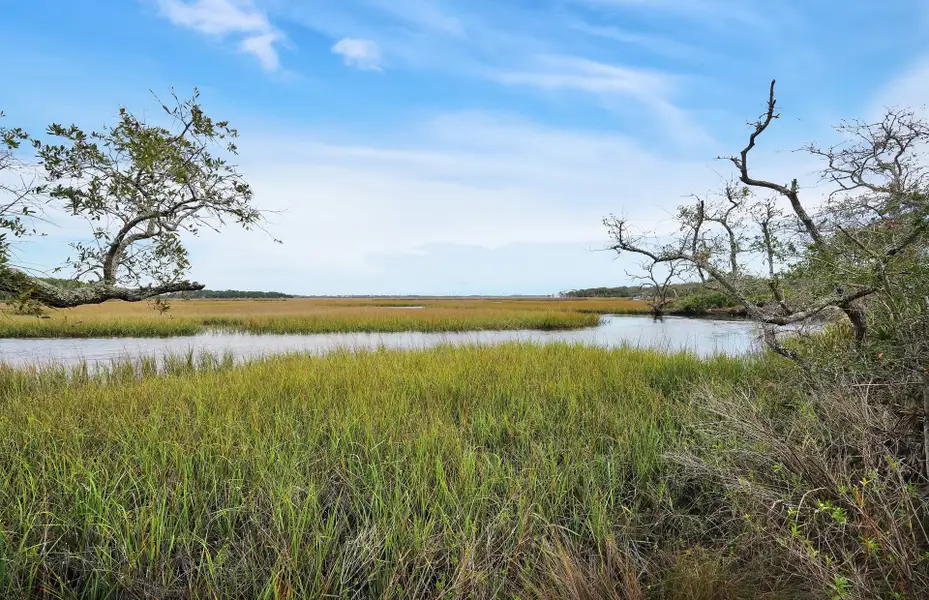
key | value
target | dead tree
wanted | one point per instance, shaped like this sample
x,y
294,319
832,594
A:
x,y
852,247
660,284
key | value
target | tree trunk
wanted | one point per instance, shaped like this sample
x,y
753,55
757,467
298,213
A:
x,y
926,424
857,317
17,282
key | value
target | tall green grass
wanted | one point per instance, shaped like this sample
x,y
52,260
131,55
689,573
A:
x,y
451,472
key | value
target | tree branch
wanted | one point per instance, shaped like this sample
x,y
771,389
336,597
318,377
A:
x,y
792,192
17,282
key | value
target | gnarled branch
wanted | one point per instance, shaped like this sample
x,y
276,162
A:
x,y
17,282
791,192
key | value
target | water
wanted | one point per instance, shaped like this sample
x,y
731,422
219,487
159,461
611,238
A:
x,y
702,336
402,307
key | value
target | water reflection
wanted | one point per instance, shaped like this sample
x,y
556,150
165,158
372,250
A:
x,y
702,336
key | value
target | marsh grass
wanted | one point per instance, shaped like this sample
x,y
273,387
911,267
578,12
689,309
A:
x,y
515,470
190,317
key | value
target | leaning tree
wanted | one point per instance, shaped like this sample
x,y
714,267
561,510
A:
x,y
139,186
859,241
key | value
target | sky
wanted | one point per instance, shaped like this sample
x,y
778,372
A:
x,y
458,147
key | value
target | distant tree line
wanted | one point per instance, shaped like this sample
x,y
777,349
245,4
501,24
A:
x,y
603,292
629,291
73,284
228,294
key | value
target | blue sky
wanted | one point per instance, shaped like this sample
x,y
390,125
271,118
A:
x,y
462,146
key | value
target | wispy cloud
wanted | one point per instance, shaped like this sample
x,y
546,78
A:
x,y
439,186
364,54
907,89
262,46
556,72
239,19
655,44
424,14
652,89
479,179
409,33
719,10
539,49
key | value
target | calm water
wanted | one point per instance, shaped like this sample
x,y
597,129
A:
x,y
703,336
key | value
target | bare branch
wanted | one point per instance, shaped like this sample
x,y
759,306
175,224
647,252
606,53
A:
x,y
791,192
868,239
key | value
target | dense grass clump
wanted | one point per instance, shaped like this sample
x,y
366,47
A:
x,y
151,326
516,471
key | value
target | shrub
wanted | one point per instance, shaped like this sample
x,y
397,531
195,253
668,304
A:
x,y
700,303
821,474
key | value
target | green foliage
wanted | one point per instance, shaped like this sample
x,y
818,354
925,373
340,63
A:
x,y
143,184
700,303
24,305
161,305
624,291
628,291
824,472
17,192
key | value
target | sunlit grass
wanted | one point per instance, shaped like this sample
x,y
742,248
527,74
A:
x,y
189,317
444,472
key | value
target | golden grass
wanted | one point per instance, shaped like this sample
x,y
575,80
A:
x,y
299,315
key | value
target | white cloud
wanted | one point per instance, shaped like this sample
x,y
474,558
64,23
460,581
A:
x,y
216,17
656,44
909,89
364,54
653,89
589,76
468,179
360,217
514,44
222,18
423,14
262,46
721,11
